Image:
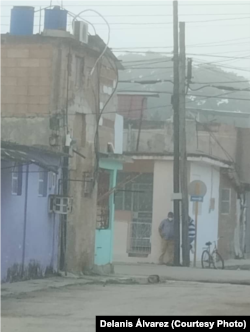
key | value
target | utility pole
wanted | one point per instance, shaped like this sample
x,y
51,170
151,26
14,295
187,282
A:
x,y
176,165
183,149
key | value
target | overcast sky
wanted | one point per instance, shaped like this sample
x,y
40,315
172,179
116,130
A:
x,y
219,29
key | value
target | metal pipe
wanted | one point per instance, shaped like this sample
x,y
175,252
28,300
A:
x,y
176,168
25,217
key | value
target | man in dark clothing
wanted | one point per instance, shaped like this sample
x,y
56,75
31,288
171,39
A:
x,y
166,230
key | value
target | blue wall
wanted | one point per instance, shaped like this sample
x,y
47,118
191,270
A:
x,y
42,228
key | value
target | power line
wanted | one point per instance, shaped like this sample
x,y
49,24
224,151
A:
x,y
221,82
145,5
194,45
146,82
229,88
199,96
167,23
216,55
160,15
159,52
150,82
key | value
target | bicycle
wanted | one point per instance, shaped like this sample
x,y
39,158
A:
x,y
213,258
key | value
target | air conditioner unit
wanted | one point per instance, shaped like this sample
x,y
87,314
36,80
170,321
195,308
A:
x,y
60,204
81,31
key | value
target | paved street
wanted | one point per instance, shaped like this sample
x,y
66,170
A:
x,y
184,273
73,308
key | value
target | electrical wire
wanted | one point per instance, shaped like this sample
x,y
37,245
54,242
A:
x,y
199,96
152,5
160,15
107,43
228,82
218,87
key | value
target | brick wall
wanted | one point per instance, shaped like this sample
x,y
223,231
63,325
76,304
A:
x,y
26,79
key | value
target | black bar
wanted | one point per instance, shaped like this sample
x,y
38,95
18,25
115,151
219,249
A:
x,y
171,322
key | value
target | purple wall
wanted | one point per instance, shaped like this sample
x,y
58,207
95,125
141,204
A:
x,y
42,228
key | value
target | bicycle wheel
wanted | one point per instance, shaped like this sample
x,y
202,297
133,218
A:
x,y
218,261
205,259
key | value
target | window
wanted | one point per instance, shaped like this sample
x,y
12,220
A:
x,y
103,205
136,195
17,177
42,182
52,180
225,200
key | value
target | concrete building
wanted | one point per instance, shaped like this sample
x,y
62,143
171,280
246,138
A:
x,y
218,154
56,94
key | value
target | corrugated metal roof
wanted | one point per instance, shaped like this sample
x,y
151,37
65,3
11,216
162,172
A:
x,y
26,155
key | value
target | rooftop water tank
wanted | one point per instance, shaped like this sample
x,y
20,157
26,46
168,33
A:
x,y
22,21
55,19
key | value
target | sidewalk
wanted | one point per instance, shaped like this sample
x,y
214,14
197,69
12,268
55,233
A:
x,y
240,277
24,287
131,274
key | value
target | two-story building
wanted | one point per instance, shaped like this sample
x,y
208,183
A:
x,y
58,94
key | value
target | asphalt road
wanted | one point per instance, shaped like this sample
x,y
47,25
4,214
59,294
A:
x,y
73,308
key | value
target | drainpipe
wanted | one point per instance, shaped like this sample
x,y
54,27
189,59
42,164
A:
x,y
65,173
25,217
65,176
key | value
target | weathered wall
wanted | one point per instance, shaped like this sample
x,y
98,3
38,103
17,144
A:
x,y
208,218
227,222
26,130
199,140
26,78
27,67
83,100
41,245
243,154
162,204
207,142
131,106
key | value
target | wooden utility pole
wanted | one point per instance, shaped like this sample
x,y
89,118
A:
x,y
183,150
176,182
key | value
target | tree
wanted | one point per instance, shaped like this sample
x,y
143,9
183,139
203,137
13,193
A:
x,y
153,66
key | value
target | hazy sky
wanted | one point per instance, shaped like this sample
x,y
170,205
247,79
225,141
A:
x,y
215,30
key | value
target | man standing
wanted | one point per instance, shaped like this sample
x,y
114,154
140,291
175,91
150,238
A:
x,y
166,230
191,232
